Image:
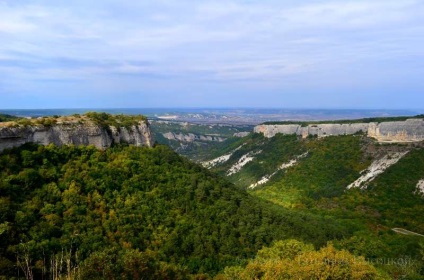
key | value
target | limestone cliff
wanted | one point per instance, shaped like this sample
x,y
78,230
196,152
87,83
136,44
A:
x,y
74,133
190,137
410,130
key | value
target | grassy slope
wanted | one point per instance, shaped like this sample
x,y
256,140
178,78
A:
x,y
392,196
320,179
332,164
270,154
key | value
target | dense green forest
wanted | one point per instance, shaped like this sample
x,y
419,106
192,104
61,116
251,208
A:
x,y
148,213
131,211
6,118
317,183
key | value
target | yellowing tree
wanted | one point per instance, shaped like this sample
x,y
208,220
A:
x,y
292,259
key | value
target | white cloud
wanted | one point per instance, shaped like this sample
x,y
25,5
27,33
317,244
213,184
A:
x,y
349,14
215,40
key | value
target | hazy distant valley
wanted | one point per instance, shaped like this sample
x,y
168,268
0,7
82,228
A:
x,y
234,116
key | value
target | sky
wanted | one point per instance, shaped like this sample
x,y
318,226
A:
x,y
180,53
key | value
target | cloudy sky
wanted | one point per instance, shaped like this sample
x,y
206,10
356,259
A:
x,y
181,53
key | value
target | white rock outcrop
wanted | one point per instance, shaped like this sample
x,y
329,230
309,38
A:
x,y
420,188
220,160
245,159
284,166
376,168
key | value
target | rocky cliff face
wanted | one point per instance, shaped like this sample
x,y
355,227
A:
x,y
76,134
411,130
190,137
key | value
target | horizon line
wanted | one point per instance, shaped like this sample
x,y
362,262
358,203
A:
x,y
222,108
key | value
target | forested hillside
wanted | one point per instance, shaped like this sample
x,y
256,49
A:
x,y
314,174
131,211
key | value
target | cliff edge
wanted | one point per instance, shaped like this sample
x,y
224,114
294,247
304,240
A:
x,y
100,130
410,130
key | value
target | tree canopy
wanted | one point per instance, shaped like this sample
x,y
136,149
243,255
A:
x,y
131,211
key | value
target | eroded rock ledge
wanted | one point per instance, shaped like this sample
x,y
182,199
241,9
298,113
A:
x,y
410,130
190,137
75,133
